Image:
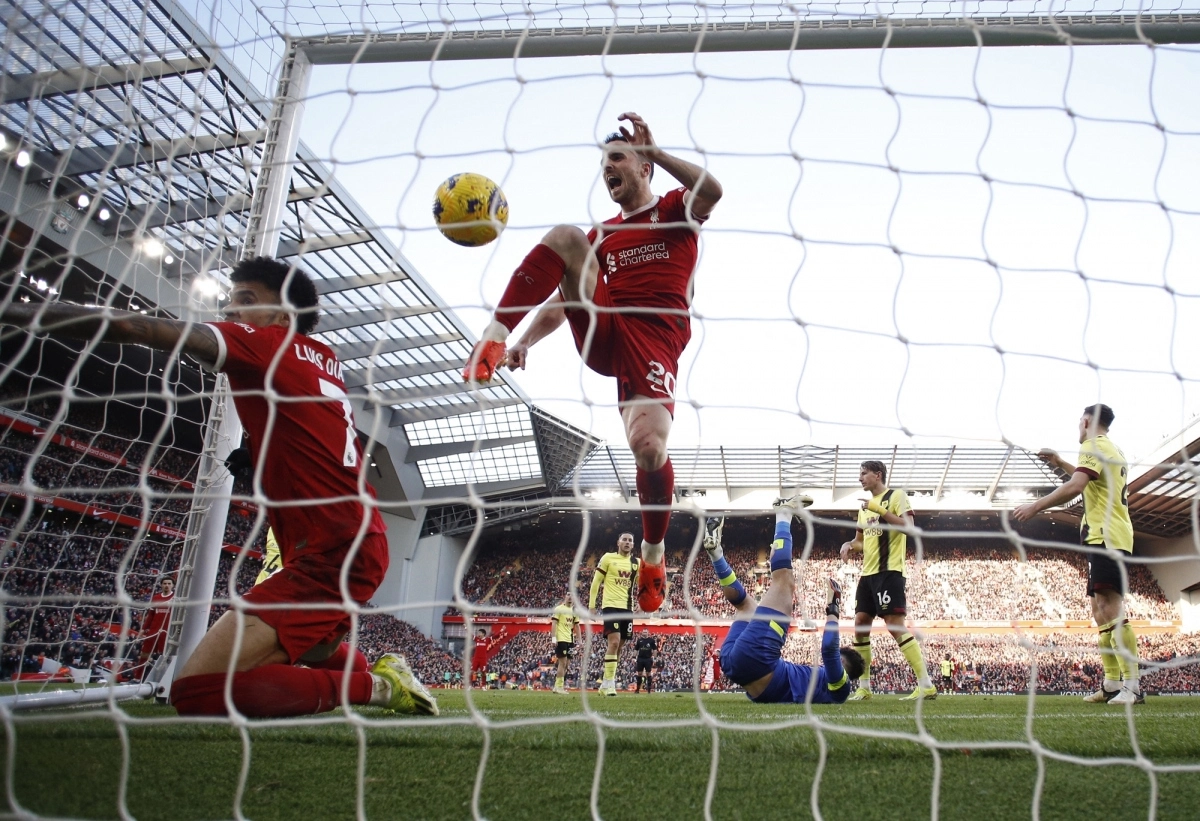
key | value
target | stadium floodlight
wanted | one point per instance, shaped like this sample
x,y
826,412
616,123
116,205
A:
x,y
83,200
23,158
153,247
102,214
206,286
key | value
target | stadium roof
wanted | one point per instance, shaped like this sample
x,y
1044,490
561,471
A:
x,y
129,104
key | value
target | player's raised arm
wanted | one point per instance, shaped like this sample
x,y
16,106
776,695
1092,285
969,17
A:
x,y
885,515
124,327
704,188
1075,484
1051,458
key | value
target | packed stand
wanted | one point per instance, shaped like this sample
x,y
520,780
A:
x,y
964,580
1003,663
526,660
60,576
380,633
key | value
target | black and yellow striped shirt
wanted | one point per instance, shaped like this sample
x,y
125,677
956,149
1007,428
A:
x,y
884,548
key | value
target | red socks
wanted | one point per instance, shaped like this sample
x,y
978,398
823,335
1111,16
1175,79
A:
x,y
532,283
272,691
338,660
656,488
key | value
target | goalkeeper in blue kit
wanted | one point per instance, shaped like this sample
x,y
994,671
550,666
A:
x,y
752,655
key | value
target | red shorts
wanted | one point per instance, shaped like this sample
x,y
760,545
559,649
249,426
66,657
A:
x,y
155,644
641,350
314,578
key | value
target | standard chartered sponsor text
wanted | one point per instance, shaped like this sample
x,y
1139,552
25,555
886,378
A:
x,y
643,253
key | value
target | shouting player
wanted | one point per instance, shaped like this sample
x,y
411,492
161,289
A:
x,y
1102,477
642,259
752,655
881,587
308,452
616,574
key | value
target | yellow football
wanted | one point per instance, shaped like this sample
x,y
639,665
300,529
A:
x,y
470,209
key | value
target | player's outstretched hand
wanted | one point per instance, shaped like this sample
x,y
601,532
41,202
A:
x,y
1024,513
640,135
845,552
517,356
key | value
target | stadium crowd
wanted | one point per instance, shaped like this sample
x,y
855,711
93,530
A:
x,y
966,581
60,574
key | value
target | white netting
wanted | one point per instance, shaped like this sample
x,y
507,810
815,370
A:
x,y
948,250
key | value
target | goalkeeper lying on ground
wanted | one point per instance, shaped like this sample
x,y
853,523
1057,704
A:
x,y
752,653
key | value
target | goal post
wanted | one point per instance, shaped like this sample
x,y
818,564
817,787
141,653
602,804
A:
x,y
801,33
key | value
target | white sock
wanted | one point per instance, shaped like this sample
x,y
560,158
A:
x,y
864,681
1111,685
653,553
494,332
926,682
1133,684
381,691
784,517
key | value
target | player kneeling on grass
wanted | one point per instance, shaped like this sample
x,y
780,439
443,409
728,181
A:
x,y
752,654
308,453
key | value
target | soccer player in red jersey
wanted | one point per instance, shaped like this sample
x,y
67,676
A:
x,y
642,259
290,396
155,624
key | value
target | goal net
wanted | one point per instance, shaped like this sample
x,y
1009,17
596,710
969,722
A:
x,y
943,230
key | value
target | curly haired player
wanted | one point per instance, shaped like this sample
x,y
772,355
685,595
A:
x,y
313,454
641,259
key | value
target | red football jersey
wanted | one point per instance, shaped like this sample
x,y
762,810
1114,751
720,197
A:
x,y
312,451
649,260
158,616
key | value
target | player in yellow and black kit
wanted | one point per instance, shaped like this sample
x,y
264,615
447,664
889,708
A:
x,y
881,587
616,574
1102,477
562,629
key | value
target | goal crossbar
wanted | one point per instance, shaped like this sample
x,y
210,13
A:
x,y
852,33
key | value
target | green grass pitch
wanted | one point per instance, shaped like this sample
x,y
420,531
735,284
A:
x,y
543,749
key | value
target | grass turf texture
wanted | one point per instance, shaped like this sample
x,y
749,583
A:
x,y
67,763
